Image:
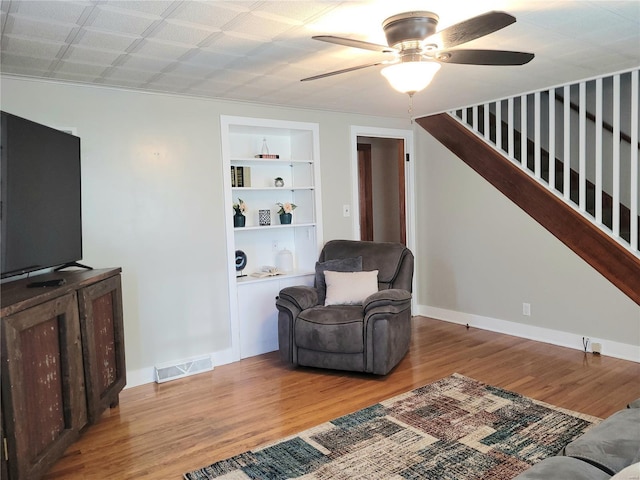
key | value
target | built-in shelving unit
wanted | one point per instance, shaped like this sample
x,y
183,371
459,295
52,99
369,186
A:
x,y
253,312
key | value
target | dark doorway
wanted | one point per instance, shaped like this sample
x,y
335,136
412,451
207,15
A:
x,y
381,189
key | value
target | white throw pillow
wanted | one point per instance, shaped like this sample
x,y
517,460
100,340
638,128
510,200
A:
x,y
632,472
349,288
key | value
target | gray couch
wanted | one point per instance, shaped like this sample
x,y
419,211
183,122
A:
x,y
372,335
610,450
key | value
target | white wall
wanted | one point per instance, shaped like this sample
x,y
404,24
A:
x,y
160,217
481,257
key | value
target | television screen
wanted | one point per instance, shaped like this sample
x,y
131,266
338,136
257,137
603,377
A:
x,y
41,203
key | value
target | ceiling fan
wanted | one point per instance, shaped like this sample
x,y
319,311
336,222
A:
x,y
419,50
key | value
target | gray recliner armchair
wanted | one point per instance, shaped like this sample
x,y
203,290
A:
x,y
322,327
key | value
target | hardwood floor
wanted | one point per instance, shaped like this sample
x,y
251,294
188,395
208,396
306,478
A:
x,y
163,431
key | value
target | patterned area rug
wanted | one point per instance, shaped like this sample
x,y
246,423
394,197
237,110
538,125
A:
x,y
456,428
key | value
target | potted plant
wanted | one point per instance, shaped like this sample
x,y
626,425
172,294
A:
x,y
239,209
285,211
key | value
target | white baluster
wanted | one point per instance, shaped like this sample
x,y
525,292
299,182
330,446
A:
x,y
552,138
536,136
524,138
487,128
567,143
582,147
635,195
598,179
616,156
510,127
499,125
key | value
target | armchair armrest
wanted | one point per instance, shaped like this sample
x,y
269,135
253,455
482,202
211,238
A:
x,y
301,296
396,300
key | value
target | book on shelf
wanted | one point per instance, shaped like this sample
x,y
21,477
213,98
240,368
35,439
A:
x,y
233,176
243,176
267,155
268,271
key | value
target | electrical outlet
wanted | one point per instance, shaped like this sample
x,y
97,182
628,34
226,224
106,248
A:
x,y
596,348
526,309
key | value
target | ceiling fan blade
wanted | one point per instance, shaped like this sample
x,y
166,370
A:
x,y
471,29
344,70
349,42
484,57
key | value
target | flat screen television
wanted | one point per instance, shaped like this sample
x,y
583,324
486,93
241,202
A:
x,y
41,217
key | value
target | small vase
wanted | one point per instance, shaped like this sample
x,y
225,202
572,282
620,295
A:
x,y
285,218
238,220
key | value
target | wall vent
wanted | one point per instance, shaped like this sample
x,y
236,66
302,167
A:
x,y
184,368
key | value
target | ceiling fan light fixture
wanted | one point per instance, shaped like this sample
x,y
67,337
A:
x,y
410,77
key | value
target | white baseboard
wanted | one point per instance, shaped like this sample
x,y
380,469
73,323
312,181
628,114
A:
x,y
141,376
555,337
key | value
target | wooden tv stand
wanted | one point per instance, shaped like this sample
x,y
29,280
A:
x,y
63,364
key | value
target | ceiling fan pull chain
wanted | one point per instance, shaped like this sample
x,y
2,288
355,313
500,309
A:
x,y
410,111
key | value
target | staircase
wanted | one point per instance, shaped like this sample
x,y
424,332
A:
x,y
587,196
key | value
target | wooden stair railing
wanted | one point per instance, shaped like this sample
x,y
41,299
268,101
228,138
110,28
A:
x,y
602,252
607,200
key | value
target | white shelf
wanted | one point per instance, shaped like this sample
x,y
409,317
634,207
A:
x,y
270,227
267,189
248,279
267,161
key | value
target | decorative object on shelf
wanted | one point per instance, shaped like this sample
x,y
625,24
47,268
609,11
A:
x,y
284,260
278,182
285,218
241,262
265,151
238,218
286,209
264,217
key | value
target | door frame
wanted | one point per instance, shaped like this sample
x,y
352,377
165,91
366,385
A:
x,y
409,175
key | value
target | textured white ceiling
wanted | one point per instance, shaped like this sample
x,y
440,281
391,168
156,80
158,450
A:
x,y
257,51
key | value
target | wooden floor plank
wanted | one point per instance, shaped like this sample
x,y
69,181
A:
x,y
163,431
